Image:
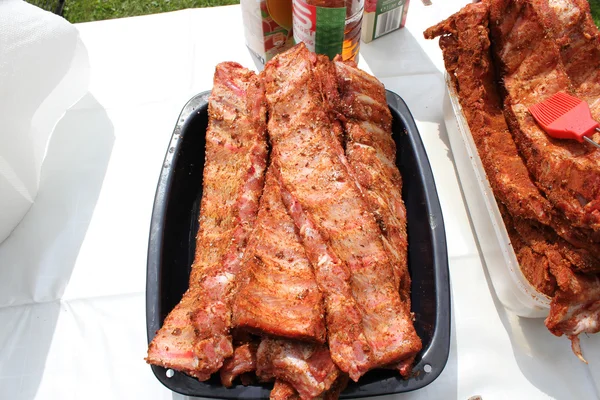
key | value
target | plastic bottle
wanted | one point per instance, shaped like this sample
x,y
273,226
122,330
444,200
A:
x,y
329,27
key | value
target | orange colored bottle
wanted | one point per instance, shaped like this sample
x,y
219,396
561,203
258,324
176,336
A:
x,y
329,27
352,27
281,12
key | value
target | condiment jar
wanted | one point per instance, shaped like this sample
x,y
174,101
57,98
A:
x,y
329,27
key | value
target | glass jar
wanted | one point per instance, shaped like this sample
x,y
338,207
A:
x,y
329,27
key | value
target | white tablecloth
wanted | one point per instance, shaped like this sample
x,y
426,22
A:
x,y
72,276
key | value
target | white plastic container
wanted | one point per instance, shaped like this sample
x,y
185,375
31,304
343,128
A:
x,y
512,288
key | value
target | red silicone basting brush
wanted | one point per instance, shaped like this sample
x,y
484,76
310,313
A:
x,y
565,117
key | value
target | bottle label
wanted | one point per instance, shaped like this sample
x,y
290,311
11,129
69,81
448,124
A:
x,y
320,28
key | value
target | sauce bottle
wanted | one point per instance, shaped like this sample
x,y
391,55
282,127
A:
x,y
329,27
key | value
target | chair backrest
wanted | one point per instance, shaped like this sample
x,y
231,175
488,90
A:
x,y
55,6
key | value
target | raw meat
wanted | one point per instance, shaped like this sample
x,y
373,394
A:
x,y
242,361
195,336
307,367
278,293
568,172
333,220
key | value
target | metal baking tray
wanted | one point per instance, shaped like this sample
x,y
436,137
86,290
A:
x,y
172,243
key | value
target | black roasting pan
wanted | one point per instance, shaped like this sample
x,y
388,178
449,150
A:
x,y
172,242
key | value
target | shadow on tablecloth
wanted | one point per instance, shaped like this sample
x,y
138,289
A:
x,y
544,359
39,256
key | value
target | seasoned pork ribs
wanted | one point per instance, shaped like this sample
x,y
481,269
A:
x,y
278,296
371,153
307,367
575,308
551,227
284,391
195,336
465,44
468,60
368,325
300,274
242,362
568,172
346,339
578,40
278,293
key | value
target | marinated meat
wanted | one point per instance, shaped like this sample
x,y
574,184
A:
x,y
465,45
530,249
551,252
195,336
278,294
317,267
583,237
469,63
307,367
575,308
283,391
242,361
405,367
576,258
347,342
337,388
345,337
173,345
371,153
333,220
578,38
568,172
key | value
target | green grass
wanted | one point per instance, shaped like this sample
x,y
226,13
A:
x,y
95,10
595,6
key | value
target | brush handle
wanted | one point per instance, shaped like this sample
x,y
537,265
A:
x,y
590,141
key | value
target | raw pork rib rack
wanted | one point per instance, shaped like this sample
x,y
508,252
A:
x,y
195,337
300,274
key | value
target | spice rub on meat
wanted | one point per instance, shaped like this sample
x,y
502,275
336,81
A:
x,y
195,336
300,274
324,201
371,154
546,189
278,293
567,172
